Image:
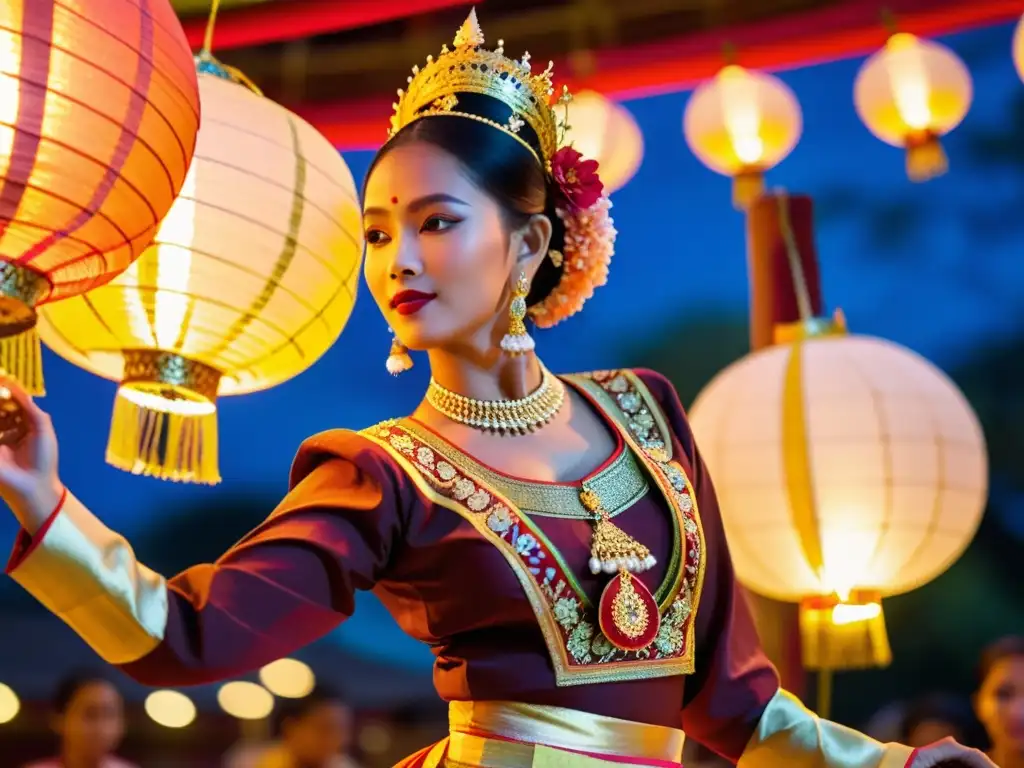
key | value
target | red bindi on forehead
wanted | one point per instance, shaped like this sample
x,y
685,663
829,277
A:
x,y
394,201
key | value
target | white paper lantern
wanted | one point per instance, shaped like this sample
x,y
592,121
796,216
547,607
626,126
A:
x,y
250,279
911,93
604,130
841,463
742,123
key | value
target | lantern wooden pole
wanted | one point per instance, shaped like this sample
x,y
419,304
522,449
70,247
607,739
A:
x,y
785,286
773,221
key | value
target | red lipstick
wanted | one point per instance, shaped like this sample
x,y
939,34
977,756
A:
x,y
411,302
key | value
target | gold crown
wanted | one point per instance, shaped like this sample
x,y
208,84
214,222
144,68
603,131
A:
x,y
469,68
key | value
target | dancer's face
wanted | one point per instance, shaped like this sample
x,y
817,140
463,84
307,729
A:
x,y
440,258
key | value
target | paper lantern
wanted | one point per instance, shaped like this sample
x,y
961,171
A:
x,y
909,94
288,678
171,709
245,700
847,468
1018,48
741,124
606,131
98,117
10,705
250,279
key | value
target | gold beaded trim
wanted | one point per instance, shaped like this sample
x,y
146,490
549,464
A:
x,y
517,417
470,68
485,121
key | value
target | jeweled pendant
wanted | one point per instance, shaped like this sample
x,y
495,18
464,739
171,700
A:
x,y
628,613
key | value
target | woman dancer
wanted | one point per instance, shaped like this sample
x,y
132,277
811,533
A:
x,y
555,540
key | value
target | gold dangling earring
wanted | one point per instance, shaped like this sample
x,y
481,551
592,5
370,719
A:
x,y
517,341
398,361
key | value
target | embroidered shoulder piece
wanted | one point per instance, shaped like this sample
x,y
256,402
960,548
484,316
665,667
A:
x,y
580,653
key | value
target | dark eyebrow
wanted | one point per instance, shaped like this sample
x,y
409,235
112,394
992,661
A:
x,y
420,203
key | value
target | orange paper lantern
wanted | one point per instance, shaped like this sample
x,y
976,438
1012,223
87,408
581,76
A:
x,y
99,110
909,94
741,124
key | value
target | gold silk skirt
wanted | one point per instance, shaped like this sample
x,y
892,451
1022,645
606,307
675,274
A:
x,y
495,734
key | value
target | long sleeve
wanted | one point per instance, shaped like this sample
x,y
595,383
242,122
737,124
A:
x,y
733,703
285,584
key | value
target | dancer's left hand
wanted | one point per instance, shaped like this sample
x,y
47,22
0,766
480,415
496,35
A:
x,y
948,754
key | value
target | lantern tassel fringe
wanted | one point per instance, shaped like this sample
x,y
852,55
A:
x,y
747,187
926,160
21,358
162,444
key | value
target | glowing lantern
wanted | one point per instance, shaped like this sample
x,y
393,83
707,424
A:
x,y
10,705
250,279
741,124
606,131
909,94
288,678
848,468
244,700
98,119
1018,47
171,709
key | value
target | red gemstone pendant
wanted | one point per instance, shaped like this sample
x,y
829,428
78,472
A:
x,y
628,613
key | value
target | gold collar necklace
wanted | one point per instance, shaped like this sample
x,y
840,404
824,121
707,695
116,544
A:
x,y
517,417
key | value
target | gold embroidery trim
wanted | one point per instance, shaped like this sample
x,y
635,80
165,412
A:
x,y
579,652
643,425
472,468
620,485
566,629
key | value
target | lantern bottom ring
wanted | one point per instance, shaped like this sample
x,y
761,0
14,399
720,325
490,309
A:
x,y
21,354
169,375
15,316
747,186
13,420
165,418
926,159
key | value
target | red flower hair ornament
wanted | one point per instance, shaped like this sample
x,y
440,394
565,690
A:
x,y
582,205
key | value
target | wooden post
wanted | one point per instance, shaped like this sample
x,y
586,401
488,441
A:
x,y
773,295
777,225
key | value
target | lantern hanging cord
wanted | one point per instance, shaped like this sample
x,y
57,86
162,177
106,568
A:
x,y
211,22
889,21
823,705
796,268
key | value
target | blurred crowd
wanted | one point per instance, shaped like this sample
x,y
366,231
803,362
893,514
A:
x,y
317,731
89,725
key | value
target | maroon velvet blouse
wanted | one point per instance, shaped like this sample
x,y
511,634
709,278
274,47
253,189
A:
x,y
395,510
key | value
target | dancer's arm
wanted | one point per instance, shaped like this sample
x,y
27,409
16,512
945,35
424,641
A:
x,y
285,584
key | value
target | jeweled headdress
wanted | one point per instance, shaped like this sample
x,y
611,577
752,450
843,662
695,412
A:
x,y
469,68
447,84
